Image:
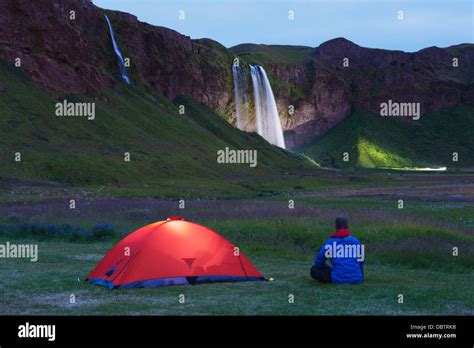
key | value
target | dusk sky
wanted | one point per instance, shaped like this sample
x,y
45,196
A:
x,y
368,23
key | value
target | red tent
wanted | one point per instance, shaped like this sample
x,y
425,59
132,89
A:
x,y
172,252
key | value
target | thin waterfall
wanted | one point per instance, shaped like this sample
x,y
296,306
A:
x,y
240,93
118,54
257,94
266,112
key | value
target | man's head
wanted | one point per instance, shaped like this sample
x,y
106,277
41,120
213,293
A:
x,y
342,223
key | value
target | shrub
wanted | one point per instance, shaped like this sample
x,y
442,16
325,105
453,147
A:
x,y
13,217
103,231
138,214
99,232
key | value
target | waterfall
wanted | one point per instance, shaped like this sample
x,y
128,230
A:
x,y
266,113
121,62
240,93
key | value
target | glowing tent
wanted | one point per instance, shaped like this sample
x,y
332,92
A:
x,y
172,252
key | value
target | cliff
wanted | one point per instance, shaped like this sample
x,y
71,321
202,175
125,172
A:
x,y
73,55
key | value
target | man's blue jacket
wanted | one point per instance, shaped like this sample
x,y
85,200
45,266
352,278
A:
x,y
346,256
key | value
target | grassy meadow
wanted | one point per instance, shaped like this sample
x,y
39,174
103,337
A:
x,y
375,142
409,251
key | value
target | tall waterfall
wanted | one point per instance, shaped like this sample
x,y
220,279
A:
x,y
240,93
121,62
266,113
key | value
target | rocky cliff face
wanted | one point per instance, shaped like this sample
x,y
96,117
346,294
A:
x,y
74,55
332,91
174,65
57,52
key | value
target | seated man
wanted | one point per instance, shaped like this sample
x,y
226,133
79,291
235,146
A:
x,y
345,254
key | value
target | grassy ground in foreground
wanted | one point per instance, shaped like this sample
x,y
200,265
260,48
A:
x,y
46,287
408,252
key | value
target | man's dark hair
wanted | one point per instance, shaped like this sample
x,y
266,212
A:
x,y
342,222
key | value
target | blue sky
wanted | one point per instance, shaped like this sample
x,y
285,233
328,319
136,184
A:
x,y
367,23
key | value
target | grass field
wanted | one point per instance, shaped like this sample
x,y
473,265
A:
x,y
381,142
408,251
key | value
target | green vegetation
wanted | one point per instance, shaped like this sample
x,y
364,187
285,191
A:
x,y
65,232
220,54
216,55
387,142
272,54
44,288
413,258
409,251
371,156
165,148
296,94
